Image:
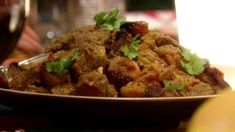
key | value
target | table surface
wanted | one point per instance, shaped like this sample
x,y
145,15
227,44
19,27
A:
x,y
11,120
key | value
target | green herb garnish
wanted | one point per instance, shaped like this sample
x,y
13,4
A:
x,y
59,67
77,54
131,51
173,86
63,65
109,20
191,63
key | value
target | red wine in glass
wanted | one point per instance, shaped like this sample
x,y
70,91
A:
x,y
12,19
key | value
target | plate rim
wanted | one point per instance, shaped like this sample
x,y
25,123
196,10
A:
x,y
184,98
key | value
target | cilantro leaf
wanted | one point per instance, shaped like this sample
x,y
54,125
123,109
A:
x,y
109,20
59,67
63,65
186,54
191,63
173,86
112,15
76,55
99,18
131,51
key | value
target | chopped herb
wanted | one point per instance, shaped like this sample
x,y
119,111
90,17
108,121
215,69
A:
x,y
63,65
76,55
131,51
191,63
109,20
59,67
173,86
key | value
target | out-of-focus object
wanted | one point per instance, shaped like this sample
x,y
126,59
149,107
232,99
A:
x,y
81,12
60,16
12,18
215,115
159,14
163,20
207,27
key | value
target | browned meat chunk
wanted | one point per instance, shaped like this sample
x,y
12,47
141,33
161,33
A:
x,y
147,85
92,57
170,54
51,79
92,84
95,56
199,89
159,39
214,77
122,70
136,28
124,36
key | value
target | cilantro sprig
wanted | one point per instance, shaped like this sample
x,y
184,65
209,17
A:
x,y
62,65
110,20
191,63
173,86
131,51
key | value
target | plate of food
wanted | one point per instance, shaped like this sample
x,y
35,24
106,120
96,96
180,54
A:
x,y
114,67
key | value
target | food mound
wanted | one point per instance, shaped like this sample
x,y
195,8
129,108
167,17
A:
x,y
116,58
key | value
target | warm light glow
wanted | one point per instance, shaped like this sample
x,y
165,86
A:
x,y
208,28
27,7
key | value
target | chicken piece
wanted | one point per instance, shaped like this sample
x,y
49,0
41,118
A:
x,y
160,72
147,51
91,58
170,54
51,79
121,71
92,84
95,55
199,89
182,77
148,57
214,77
133,89
192,86
80,67
147,85
159,39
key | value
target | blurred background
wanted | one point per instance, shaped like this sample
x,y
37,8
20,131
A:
x,y
56,17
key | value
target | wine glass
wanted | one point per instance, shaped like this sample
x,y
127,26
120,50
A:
x,y
13,14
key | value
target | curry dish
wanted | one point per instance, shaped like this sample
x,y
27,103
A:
x,y
131,61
